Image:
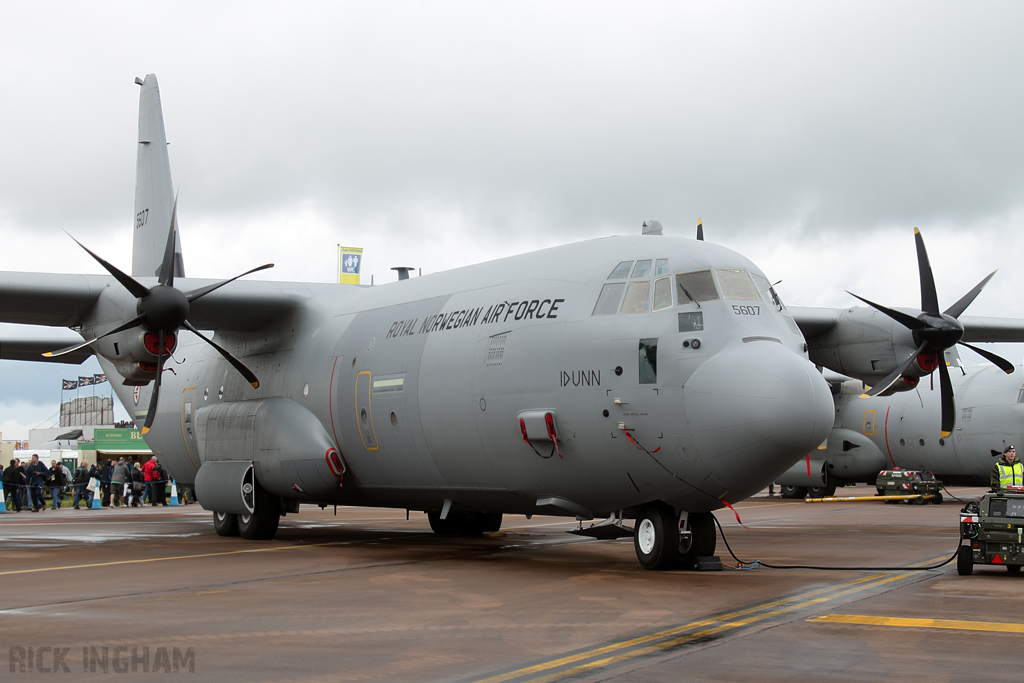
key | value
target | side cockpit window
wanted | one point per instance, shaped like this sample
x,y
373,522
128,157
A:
x,y
736,285
608,301
767,291
695,287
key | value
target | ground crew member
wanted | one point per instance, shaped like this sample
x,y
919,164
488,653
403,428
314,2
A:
x,y
1008,470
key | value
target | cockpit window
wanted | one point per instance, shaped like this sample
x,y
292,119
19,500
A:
x,y
608,301
736,285
767,291
697,286
621,271
662,293
638,298
642,269
661,267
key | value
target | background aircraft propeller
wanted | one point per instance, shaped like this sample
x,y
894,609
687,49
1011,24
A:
x,y
163,310
934,332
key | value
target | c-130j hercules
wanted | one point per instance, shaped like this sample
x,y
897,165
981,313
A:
x,y
646,377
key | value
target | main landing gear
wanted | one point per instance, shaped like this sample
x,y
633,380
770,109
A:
x,y
261,525
660,545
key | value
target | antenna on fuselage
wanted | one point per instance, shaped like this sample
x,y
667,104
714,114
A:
x,y
651,228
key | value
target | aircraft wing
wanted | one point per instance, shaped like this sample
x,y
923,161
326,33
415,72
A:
x,y
56,300
817,321
48,299
33,348
980,329
814,321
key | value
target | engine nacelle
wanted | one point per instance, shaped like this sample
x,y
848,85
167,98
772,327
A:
x,y
292,454
864,344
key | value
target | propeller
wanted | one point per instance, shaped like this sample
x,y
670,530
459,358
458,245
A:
x,y
934,332
163,310
700,230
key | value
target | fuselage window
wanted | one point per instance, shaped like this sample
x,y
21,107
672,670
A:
x,y
638,298
697,286
736,285
662,293
642,269
621,271
661,267
608,302
648,361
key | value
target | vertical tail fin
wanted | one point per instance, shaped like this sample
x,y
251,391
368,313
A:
x,y
154,193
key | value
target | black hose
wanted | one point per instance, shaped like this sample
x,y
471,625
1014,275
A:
x,y
745,564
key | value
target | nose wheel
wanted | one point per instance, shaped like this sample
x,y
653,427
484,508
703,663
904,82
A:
x,y
659,544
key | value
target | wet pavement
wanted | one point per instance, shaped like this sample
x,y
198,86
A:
x,y
367,595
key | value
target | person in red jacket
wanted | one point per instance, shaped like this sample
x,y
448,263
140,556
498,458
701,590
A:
x,y
150,477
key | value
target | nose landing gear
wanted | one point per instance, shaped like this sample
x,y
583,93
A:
x,y
665,540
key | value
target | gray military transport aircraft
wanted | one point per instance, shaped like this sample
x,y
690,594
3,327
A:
x,y
902,430
646,377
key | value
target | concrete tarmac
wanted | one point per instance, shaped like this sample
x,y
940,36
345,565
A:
x,y
367,595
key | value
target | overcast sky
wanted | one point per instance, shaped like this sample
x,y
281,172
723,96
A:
x,y
811,136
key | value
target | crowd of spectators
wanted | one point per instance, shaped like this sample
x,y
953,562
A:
x,y
118,483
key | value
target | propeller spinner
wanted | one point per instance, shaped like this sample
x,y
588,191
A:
x,y
163,310
934,332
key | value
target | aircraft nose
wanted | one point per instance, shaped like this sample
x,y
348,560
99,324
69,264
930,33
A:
x,y
752,411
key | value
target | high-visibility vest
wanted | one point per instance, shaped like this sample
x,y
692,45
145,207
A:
x,y
1011,475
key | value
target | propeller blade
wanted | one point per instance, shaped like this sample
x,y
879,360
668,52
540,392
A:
x,y
957,309
891,378
929,299
700,231
151,413
166,274
948,402
131,284
203,291
134,322
237,364
908,321
1000,362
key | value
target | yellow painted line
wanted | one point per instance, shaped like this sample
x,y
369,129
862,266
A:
x,y
988,626
724,622
164,559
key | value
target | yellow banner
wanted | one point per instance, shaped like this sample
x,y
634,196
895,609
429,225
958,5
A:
x,y
350,260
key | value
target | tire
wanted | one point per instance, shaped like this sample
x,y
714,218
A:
x,y
225,523
443,527
793,491
964,561
821,491
656,537
261,525
702,528
920,500
937,499
1013,568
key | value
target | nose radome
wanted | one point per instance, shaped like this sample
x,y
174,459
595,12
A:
x,y
753,410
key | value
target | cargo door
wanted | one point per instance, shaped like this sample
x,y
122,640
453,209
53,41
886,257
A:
x,y
188,425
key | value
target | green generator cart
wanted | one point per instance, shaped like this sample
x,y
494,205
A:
x,y
992,532
897,482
